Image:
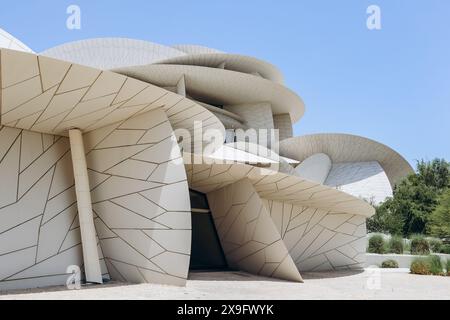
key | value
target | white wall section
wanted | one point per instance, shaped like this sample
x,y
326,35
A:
x,y
365,180
39,227
141,197
320,240
283,123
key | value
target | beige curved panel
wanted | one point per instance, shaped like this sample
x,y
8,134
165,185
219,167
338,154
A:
x,y
232,62
320,240
39,230
348,148
192,49
223,87
273,185
248,236
51,96
141,198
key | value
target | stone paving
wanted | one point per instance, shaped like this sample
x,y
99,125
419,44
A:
x,y
367,284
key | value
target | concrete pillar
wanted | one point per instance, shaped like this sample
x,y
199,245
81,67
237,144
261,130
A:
x,y
82,189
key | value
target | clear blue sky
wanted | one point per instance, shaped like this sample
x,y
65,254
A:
x,y
391,85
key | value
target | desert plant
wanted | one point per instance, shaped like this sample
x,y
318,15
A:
x,y
435,245
389,264
376,244
435,265
431,265
419,245
395,245
420,266
445,248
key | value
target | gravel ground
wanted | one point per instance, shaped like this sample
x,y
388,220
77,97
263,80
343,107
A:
x,y
369,284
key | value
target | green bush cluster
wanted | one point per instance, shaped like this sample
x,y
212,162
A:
x,y
430,265
395,245
376,244
420,245
389,264
435,245
420,266
423,246
436,265
445,248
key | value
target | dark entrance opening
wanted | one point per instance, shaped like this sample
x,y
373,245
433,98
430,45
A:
x,y
206,252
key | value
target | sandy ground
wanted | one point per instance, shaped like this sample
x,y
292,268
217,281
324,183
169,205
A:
x,y
370,284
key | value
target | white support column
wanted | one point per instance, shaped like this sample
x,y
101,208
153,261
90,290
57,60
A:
x,y
85,215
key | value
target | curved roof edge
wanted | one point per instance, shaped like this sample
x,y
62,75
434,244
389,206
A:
x,y
195,49
273,185
348,148
48,95
223,86
8,41
97,52
233,62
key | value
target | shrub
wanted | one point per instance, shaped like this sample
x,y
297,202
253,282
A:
x,y
445,248
376,244
448,267
420,266
435,245
429,265
389,264
420,245
435,265
395,245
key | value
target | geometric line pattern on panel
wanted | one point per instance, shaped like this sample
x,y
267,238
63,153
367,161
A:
x,y
366,180
276,186
140,198
47,95
248,236
39,231
320,240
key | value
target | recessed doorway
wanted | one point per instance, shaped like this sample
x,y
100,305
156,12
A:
x,y
206,251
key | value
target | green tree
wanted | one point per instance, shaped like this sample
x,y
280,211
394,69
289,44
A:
x,y
413,203
414,200
439,222
384,220
435,173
